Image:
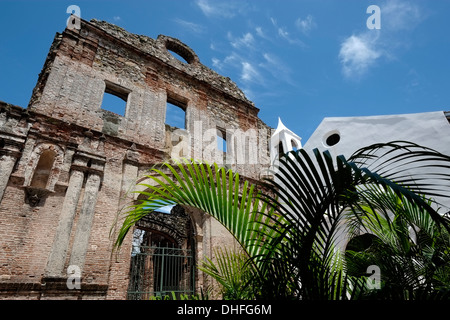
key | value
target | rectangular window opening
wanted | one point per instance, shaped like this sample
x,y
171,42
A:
x,y
115,98
221,140
176,113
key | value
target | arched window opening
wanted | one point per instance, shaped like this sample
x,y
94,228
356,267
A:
x,y
361,242
178,56
294,145
180,51
357,255
43,169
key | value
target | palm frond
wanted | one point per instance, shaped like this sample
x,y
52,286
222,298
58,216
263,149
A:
x,y
289,231
213,189
232,270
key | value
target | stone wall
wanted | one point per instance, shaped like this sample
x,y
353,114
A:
x,y
95,157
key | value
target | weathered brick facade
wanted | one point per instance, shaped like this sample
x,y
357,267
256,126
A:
x,y
66,164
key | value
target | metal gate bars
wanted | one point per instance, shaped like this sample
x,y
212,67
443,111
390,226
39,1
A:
x,y
158,271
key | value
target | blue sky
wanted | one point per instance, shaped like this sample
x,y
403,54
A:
x,y
298,60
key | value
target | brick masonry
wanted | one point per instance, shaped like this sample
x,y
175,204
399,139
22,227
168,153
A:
x,y
97,156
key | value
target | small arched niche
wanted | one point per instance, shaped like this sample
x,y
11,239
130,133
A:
x,y
43,169
295,146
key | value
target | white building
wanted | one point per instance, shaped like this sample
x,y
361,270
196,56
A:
x,y
345,135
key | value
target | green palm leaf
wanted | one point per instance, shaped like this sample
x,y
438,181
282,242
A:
x,y
289,231
213,189
232,271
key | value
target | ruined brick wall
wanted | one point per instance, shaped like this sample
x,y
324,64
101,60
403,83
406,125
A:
x,y
85,59
96,156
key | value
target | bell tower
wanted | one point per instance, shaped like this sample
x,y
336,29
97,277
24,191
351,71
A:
x,y
282,141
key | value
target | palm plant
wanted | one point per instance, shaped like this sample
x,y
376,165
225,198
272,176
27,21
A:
x,y
314,193
288,226
412,252
232,271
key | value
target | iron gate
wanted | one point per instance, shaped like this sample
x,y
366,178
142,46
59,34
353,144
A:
x,y
158,271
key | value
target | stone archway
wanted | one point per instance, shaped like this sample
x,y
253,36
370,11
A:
x,y
163,255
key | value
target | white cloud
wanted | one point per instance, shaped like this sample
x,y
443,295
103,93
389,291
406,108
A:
x,y
271,59
247,40
275,66
358,53
232,58
399,15
191,26
206,7
249,72
260,32
287,36
306,25
117,18
361,51
283,33
274,22
217,63
216,8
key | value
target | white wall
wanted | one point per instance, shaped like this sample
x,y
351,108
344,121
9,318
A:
x,y
430,129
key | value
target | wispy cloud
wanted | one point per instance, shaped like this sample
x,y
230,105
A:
x,y
260,32
191,26
232,60
401,15
306,25
249,55
277,68
274,22
247,40
249,72
271,59
219,8
285,34
217,63
207,8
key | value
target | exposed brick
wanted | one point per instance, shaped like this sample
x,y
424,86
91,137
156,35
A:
x,y
65,116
